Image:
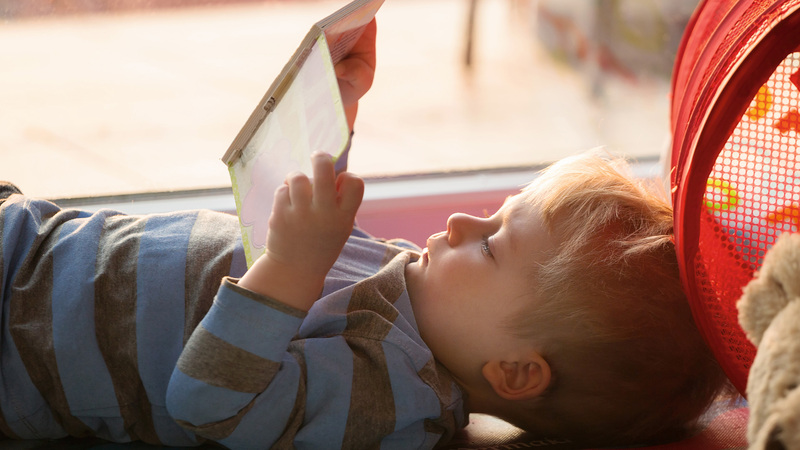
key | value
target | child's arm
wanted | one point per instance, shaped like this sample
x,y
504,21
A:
x,y
309,225
238,352
357,71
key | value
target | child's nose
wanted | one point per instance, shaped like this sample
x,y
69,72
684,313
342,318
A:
x,y
460,227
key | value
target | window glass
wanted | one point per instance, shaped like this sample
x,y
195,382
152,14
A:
x,y
109,97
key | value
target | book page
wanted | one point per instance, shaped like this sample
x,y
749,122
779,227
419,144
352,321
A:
x,y
343,33
309,117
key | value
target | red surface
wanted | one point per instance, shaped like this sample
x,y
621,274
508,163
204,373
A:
x,y
733,158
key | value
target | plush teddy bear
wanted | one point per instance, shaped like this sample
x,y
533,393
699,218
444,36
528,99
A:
x,y
769,312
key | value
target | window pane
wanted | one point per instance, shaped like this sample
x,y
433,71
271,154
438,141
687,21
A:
x,y
100,100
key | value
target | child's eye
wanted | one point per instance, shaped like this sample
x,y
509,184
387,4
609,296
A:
x,y
485,247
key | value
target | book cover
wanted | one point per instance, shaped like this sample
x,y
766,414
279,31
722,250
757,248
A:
x,y
302,112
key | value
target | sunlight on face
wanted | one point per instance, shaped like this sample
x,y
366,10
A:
x,y
472,276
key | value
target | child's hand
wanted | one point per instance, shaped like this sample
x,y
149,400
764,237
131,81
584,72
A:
x,y
356,71
310,222
309,225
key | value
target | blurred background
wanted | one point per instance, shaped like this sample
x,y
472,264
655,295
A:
x,y
107,97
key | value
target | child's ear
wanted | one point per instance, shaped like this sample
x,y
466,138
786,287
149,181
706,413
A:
x,y
518,380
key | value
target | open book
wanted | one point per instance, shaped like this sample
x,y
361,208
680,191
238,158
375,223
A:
x,y
301,112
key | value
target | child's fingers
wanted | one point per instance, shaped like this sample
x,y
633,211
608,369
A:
x,y
358,69
299,188
281,198
280,206
364,47
354,71
355,76
351,192
324,178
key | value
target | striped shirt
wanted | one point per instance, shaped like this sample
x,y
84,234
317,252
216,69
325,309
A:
x,y
117,326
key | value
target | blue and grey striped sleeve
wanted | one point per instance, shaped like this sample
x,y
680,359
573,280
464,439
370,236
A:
x,y
118,326
96,308
238,355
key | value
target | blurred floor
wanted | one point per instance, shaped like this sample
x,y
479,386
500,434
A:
x,y
132,102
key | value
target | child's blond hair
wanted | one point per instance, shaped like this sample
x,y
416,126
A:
x,y
628,363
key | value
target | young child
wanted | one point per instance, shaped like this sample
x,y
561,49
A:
x,y
561,313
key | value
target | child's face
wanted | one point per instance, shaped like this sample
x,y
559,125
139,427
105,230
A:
x,y
472,277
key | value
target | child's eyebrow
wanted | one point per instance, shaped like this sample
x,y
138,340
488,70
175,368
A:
x,y
504,244
509,236
486,213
